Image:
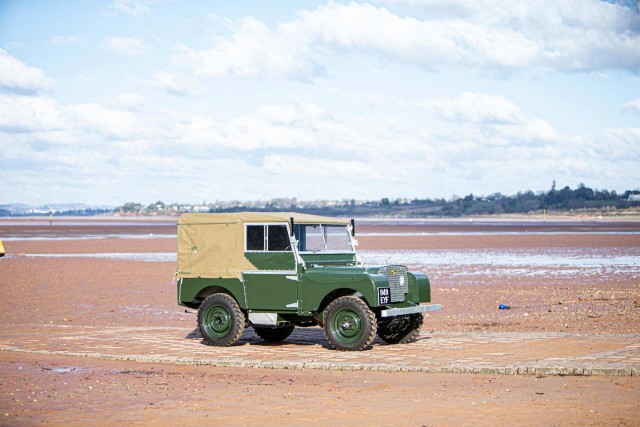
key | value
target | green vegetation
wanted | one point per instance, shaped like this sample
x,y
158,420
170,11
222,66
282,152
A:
x,y
565,200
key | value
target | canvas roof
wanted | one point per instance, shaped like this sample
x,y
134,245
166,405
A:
x,y
212,245
243,217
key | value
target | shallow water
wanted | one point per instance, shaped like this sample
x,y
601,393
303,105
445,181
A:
x,y
555,257
496,233
515,262
125,256
87,223
555,262
89,237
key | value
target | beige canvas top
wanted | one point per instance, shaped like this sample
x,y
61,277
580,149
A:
x,y
212,245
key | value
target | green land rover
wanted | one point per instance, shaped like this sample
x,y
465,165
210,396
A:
x,y
276,271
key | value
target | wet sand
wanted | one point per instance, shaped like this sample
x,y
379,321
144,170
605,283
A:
x,y
71,391
106,291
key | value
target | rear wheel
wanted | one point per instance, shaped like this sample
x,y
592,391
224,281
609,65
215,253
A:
x,y
349,324
274,334
220,320
401,329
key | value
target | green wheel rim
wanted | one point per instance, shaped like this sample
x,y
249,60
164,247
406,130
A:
x,y
217,321
346,326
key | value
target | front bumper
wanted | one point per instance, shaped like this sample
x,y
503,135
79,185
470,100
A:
x,y
410,310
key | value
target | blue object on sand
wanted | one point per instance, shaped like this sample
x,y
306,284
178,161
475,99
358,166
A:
x,y
504,307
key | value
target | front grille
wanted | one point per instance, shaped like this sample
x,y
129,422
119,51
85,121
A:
x,y
398,281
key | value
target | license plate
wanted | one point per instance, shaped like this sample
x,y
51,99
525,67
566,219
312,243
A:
x,y
384,296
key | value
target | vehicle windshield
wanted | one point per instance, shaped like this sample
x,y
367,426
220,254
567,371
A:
x,y
322,238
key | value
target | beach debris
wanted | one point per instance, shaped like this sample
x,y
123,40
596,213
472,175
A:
x,y
504,307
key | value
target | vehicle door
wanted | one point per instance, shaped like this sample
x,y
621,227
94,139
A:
x,y
273,286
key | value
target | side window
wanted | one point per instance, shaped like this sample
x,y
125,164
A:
x,y
255,237
268,238
278,238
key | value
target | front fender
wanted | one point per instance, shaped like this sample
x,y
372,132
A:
x,y
424,287
377,281
314,287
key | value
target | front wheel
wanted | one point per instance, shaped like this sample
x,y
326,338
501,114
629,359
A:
x,y
349,324
220,320
401,329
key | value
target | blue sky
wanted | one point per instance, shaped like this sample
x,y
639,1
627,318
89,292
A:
x,y
104,102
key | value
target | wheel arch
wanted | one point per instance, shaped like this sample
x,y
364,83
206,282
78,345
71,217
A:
x,y
192,291
333,295
215,289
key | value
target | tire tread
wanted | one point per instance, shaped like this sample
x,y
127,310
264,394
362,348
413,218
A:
x,y
370,320
236,313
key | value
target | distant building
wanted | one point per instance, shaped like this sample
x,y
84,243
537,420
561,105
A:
x,y
634,197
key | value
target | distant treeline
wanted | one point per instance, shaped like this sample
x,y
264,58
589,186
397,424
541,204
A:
x,y
21,212
564,200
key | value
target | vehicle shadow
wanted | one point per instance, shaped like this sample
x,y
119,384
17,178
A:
x,y
300,336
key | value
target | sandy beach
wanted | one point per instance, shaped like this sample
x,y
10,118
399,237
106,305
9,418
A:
x,y
579,277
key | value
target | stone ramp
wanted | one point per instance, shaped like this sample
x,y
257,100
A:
x,y
460,352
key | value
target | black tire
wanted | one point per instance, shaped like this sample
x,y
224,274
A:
x,y
220,320
274,334
349,324
401,329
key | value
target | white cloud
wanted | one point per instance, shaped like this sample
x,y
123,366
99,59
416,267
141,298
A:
x,y
42,116
112,124
83,78
619,144
174,84
16,45
475,121
127,46
29,114
631,106
581,35
297,149
62,39
365,131
269,127
129,101
253,49
298,166
17,77
133,7
474,107
531,130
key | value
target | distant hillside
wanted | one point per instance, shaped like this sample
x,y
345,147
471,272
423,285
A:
x,y
582,199
564,200
58,209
